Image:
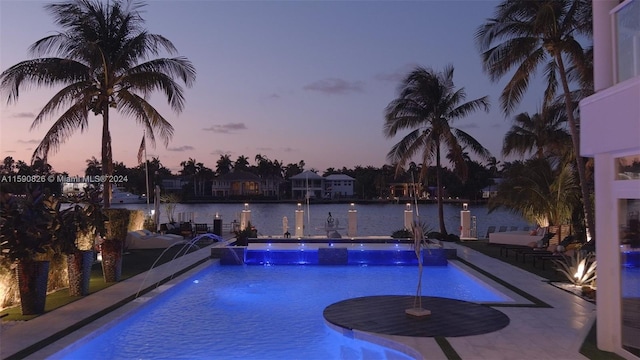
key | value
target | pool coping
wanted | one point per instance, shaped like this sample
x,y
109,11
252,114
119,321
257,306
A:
x,y
22,339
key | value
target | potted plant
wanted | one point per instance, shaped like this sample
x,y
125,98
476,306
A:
x,y
112,246
242,236
26,233
78,225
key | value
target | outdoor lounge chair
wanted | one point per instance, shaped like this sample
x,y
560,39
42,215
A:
x,y
542,259
145,239
557,252
540,248
186,229
201,229
490,230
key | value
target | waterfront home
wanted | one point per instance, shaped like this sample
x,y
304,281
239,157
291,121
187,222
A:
x,y
338,186
311,185
610,133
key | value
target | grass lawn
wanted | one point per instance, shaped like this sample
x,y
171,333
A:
x,y
134,262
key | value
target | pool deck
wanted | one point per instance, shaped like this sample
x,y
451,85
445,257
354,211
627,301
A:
x,y
545,322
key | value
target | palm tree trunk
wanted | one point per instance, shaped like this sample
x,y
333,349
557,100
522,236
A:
x,y
107,168
443,229
575,136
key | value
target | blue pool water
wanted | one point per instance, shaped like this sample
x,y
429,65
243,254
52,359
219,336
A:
x,y
266,312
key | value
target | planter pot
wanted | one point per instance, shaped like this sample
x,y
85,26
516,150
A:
x,y
112,260
32,282
79,268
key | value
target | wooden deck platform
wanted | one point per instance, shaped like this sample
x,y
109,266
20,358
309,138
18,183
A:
x,y
386,315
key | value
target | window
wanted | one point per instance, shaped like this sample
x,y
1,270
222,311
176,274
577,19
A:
x,y
628,167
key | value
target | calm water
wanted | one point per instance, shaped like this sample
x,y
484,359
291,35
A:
x,y
266,312
372,219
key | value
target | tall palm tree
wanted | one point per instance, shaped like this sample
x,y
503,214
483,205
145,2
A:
x,y
427,104
191,168
100,59
242,163
94,167
527,34
492,163
542,133
224,164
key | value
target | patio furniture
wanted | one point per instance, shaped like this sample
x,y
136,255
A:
x,y
145,239
490,230
201,229
186,229
522,238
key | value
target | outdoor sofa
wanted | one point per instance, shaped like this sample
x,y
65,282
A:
x,y
145,239
522,238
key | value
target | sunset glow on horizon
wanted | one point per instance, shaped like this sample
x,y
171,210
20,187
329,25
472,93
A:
x,y
289,80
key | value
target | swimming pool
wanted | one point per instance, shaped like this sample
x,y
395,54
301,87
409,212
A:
x,y
266,312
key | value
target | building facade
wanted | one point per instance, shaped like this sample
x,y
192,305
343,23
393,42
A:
x,y
311,185
338,186
236,183
610,133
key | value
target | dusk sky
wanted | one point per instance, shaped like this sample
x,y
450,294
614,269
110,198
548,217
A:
x,y
291,80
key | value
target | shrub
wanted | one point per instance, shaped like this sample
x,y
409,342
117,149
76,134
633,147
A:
x,y
580,268
402,234
243,235
452,238
118,225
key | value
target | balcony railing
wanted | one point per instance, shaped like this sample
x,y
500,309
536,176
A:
x,y
626,18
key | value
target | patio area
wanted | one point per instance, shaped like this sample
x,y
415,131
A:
x,y
544,321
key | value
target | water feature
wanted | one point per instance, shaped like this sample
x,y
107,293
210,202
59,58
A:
x,y
184,249
373,219
266,312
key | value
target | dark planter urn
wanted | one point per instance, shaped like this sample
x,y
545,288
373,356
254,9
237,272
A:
x,y
32,282
79,268
112,260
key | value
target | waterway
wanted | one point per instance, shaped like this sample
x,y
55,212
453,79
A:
x,y
372,219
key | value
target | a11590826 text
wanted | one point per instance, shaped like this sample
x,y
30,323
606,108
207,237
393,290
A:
x,y
63,179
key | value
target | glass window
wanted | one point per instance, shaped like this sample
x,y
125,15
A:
x,y
630,274
628,167
627,22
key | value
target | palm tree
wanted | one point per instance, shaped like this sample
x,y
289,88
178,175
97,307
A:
x,y
8,165
540,190
492,163
526,34
542,133
191,168
224,164
242,163
93,167
100,58
427,104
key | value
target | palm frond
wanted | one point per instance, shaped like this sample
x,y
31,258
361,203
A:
x,y
41,72
75,93
76,117
146,115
